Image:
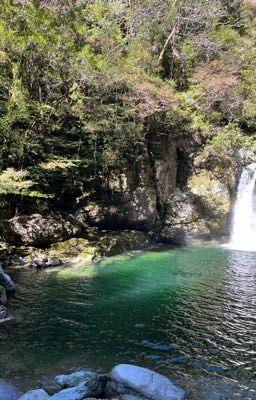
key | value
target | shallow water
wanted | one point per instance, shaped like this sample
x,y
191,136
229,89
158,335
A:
x,y
188,313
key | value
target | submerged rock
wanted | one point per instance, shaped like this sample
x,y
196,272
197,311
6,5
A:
x,y
3,314
6,282
8,392
38,394
147,382
3,297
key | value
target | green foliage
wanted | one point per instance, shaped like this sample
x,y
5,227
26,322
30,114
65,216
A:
x,y
12,181
228,138
79,82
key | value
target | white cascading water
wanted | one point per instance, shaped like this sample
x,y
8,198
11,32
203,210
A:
x,y
243,235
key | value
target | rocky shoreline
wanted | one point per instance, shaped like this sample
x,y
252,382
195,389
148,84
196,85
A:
x,y
7,288
92,247
82,250
124,382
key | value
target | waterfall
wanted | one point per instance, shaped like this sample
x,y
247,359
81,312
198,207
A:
x,y
243,235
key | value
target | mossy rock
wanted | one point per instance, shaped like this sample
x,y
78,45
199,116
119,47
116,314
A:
x,y
101,243
213,193
115,243
70,248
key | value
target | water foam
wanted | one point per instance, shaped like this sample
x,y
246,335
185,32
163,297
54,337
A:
x,y
243,235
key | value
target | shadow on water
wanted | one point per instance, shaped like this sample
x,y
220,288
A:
x,y
188,313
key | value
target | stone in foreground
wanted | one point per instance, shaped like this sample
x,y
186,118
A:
x,y
8,392
75,393
147,382
38,394
76,378
81,384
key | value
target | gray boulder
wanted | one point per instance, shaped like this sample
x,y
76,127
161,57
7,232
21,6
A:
x,y
8,392
38,394
3,298
146,382
74,393
77,378
3,314
6,282
39,230
80,384
40,259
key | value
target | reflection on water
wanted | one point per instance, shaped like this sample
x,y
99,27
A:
x,y
188,313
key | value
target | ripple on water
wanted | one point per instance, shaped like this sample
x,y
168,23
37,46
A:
x,y
188,313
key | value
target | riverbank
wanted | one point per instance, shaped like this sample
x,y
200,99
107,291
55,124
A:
x,y
124,382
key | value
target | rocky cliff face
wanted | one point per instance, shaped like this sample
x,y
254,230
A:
x,y
167,193
170,193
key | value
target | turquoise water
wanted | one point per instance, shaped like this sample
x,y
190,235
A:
x,y
189,313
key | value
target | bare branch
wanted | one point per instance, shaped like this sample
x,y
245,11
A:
x,y
165,45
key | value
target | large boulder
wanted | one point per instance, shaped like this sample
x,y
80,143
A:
x,y
147,382
8,392
38,394
38,230
100,243
112,243
200,212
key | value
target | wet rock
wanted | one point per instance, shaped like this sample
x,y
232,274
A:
x,y
115,388
113,243
147,382
8,392
38,260
54,262
80,384
76,378
246,157
71,248
6,282
201,213
77,393
38,394
3,313
3,297
49,385
100,243
43,260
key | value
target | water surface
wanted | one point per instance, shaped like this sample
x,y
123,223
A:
x,y
188,313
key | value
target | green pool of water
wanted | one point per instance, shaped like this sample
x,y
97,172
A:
x,y
188,313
